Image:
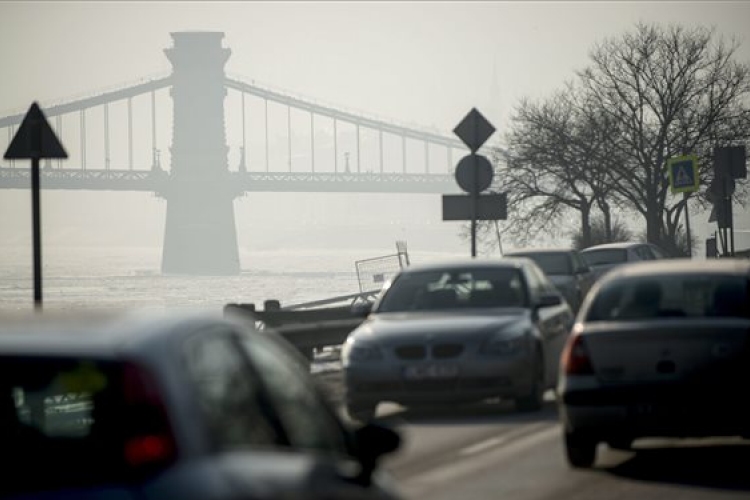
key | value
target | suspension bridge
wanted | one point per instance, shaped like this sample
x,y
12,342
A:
x,y
112,144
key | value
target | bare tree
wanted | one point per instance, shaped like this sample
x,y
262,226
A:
x,y
556,165
672,91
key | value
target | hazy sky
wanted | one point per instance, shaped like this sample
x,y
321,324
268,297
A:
x,y
419,62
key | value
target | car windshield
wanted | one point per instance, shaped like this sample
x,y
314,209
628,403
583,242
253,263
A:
x,y
671,296
551,263
605,256
453,289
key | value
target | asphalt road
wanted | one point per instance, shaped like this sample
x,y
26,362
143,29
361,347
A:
x,y
491,451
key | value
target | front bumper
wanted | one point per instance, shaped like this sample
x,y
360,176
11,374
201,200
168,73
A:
x,y
476,379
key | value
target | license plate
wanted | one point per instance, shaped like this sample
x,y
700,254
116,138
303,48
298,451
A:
x,y
430,372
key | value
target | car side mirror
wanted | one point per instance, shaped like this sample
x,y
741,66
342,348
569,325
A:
x,y
549,300
372,441
361,309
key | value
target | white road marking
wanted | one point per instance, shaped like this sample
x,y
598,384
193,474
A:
x,y
503,438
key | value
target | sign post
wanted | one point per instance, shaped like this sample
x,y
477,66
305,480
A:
x,y
683,178
474,175
35,139
729,164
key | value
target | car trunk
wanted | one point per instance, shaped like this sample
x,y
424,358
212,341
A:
x,y
705,355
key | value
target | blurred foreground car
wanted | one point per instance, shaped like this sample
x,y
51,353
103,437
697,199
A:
x,y
602,258
565,268
188,407
458,332
659,349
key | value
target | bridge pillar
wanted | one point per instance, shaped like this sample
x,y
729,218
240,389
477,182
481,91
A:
x,y
200,236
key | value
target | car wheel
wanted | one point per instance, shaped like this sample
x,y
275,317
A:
x,y
580,450
361,412
535,399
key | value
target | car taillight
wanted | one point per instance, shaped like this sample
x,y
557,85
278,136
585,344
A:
x,y
575,356
149,441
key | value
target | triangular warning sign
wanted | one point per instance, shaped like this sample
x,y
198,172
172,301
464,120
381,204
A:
x,y
35,138
683,178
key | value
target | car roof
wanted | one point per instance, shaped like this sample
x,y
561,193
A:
x,y
101,334
503,262
528,251
617,245
680,266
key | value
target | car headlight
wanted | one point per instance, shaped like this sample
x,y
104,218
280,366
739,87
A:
x,y
360,352
504,346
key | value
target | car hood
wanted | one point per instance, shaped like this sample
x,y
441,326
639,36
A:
x,y
418,327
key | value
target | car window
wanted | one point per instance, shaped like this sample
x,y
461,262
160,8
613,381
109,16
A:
x,y
658,252
309,423
579,264
644,253
671,296
71,420
458,288
605,256
552,263
229,393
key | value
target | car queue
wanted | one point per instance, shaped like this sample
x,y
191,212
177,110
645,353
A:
x,y
208,406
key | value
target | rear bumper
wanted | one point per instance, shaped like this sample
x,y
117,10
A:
x,y
608,413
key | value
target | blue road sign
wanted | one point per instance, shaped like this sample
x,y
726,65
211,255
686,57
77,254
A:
x,y
683,174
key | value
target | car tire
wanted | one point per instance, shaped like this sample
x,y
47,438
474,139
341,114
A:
x,y
580,450
535,399
361,412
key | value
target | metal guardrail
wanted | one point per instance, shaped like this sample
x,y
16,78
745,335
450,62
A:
x,y
308,326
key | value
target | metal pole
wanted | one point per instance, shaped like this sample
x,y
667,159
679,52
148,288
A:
x,y
37,224
380,143
130,133
426,157
106,136
266,104
83,139
335,147
474,200
731,225
358,157
403,153
153,127
244,140
687,226
312,141
289,134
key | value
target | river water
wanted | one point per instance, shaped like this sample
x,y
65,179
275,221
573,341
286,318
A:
x,y
107,277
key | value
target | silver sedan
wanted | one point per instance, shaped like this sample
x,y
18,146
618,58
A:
x,y
458,332
659,349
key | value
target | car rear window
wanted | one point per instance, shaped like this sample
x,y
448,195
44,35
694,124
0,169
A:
x,y
65,423
636,298
605,256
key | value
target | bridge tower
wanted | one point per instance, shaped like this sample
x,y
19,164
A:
x,y
200,236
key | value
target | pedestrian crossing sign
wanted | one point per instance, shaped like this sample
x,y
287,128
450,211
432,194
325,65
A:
x,y
683,174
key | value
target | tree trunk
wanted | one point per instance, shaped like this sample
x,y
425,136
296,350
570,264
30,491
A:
x,y
585,225
653,224
607,214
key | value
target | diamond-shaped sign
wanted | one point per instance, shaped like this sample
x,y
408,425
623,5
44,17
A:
x,y
474,130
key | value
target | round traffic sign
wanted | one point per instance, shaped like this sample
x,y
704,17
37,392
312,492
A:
x,y
474,173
